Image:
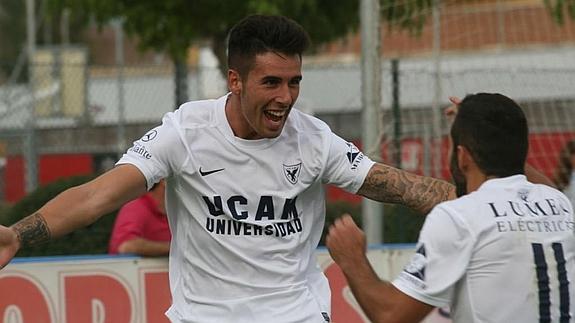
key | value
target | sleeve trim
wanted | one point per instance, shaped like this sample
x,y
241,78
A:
x,y
404,287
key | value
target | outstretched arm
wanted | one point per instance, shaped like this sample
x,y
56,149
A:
x,y
379,299
74,208
392,185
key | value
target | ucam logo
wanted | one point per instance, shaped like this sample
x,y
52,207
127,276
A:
x,y
291,172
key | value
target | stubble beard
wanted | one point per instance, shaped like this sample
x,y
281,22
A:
x,y
457,176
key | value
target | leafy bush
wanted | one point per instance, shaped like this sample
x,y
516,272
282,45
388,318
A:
x,y
89,240
334,210
401,224
4,208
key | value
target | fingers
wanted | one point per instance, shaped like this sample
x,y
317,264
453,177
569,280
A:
x,y
344,220
343,229
455,100
451,111
333,230
342,224
346,242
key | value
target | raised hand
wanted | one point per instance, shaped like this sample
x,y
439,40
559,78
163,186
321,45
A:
x,y
346,242
9,245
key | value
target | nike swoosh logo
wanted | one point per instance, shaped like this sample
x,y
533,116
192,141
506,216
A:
x,y
210,171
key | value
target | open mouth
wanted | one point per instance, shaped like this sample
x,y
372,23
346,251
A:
x,y
275,116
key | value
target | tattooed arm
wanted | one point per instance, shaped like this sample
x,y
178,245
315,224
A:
x,y
32,230
74,208
391,185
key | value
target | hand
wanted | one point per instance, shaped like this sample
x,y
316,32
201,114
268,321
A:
x,y
346,242
451,111
9,245
144,247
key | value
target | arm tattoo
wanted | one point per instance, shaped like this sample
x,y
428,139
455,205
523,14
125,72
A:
x,y
32,230
391,185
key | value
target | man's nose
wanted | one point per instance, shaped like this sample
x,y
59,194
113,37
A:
x,y
284,95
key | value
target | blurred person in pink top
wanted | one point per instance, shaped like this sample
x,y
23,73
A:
x,y
141,226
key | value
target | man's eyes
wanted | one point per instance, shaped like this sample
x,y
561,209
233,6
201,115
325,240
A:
x,y
295,82
275,82
271,82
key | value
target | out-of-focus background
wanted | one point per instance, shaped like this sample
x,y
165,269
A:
x,y
80,80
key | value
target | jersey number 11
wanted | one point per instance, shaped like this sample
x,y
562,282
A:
x,y
543,283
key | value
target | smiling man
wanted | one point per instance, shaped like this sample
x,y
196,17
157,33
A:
x,y
245,192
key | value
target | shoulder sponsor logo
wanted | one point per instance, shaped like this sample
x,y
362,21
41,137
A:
x,y
208,172
141,150
354,156
416,267
291,172
150,135
352,152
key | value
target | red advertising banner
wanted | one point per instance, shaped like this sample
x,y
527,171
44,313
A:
x,y
108,289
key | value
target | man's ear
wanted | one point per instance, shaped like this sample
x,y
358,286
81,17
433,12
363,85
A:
x,y
464,158
234,82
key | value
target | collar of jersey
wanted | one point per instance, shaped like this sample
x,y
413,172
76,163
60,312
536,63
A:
x,y
503,181
226,130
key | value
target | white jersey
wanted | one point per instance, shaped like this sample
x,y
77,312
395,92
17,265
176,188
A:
x,y
246,215
570,189
504,253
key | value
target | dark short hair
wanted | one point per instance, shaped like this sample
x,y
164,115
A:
x,y
258,34
494,130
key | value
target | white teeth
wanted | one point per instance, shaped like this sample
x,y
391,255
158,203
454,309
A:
x,y
276,113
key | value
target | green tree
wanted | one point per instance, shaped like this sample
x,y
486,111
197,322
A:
x,y
172,26
560,8
12,34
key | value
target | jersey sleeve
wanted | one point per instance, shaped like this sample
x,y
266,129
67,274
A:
x,y
441,259
346,166
160,153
